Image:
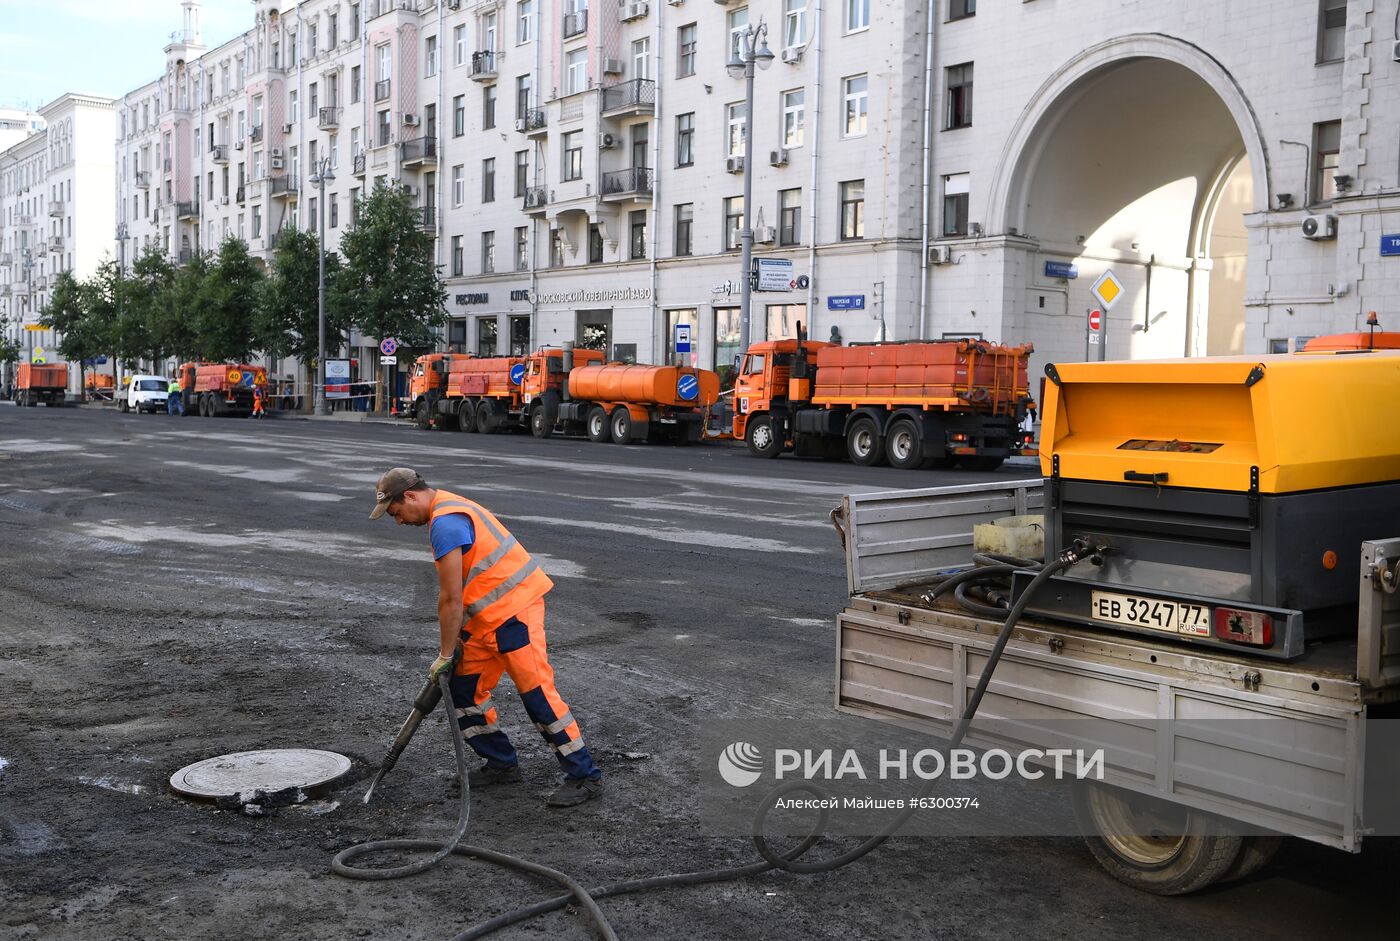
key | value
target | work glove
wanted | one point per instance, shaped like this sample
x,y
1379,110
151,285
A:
x,y
440,666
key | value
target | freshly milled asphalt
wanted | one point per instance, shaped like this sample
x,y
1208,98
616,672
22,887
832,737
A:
x,y
174,589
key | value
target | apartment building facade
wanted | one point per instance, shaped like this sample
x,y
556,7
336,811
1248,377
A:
x,y
580,164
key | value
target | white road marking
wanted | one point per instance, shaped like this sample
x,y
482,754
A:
x,y
805,622
252,541
556,567
313,497
690,537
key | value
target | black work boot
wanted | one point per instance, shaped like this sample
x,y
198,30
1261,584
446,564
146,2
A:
x,y
575,791
487,776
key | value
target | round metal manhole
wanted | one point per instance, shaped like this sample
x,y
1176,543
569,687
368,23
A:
x,y
269,770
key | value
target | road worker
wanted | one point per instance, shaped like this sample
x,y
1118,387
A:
x,y
174,398
491,601
259,403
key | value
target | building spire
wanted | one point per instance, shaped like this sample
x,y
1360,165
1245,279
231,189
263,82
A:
x,y
191,30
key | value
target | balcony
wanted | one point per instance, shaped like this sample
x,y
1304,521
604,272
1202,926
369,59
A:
x,y
381,90
358,165
7,260
426,217
143,180
56,207
241,195
187,210
483,66
533,123
284,187
255,135
536,198
219,153
328,118
575,24
56,243
632,183
24,221
635,97
41,247
420,151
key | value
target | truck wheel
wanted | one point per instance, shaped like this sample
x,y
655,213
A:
x,y
597,427
1258,851
863,443
762,439
422,415
1151,844
466,416
903,448
485,418
621,425
540,427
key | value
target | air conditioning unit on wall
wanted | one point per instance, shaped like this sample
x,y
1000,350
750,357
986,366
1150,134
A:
x,y
733,164
1320,227
614,66
607,141
764,234
410,120
778,158
793,54
940,254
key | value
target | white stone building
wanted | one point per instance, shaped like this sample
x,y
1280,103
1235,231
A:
x,y
55,212
575,160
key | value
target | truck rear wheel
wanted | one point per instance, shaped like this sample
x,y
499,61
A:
x,y
621,425
863,442
466,415
485,418
903,447
597,425
1151,844
762,438
1258,851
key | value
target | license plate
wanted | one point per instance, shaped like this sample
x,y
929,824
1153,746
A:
x,y
1156,614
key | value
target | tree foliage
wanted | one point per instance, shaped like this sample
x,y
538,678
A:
x,y
226,301
288,318
140,296
9,349
80,315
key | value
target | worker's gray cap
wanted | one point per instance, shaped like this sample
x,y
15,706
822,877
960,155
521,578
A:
x,y
394,483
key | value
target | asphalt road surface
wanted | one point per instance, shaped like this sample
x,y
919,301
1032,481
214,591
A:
x,y
173,589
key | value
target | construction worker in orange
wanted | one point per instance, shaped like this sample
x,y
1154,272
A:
x,y
259,402
491,601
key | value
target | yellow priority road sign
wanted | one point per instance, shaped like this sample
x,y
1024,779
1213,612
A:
x,y
37,356
1107,289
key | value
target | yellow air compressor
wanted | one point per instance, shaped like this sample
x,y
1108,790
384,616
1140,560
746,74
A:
x,y
1232,494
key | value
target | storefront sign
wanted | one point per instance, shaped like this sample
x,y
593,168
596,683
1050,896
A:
x,y
467,300
845,302
1061,269
583,296
337,378
521,295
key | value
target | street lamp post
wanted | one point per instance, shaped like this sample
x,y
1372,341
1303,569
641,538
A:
x,y
29,304
752,50
323,175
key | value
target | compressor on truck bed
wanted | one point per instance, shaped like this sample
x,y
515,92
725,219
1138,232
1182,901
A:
x,y
918,404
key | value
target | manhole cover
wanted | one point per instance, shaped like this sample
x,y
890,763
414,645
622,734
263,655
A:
x,y
271,769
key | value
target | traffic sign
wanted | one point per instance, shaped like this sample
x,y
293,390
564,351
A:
x,y
1095,319
1107,289
688,387
517,374
38,357
388,346
682,338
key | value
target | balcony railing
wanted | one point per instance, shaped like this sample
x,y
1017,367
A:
x,y
381,90
637,96
143,180
55,207
575,23
219,153
41,247
56,243
358,167
533,121
633,182
187,210
483,65
536,197
255,135
427,216
284,186
241,194
329,118
23,220
7,260
418,150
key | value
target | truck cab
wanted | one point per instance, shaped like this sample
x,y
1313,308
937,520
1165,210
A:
x,y
771,375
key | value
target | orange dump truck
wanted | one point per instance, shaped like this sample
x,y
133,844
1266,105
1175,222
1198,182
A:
x,y
917,404
212,389
571,391
41,383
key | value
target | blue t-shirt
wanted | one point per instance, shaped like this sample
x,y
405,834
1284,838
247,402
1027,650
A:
x,y
453,531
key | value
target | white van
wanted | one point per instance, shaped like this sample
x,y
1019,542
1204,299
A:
x,y
145,394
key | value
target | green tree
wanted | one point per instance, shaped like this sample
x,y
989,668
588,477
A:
x,y
9,349
135,334
226,303
173,316
390,284
85,331
287,322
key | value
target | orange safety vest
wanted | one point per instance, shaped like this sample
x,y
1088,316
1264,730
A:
x,y
499,579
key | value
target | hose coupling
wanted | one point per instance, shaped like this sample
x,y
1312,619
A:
x,y
1082,549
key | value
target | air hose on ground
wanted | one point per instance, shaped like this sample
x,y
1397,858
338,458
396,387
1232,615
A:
x,y
789,861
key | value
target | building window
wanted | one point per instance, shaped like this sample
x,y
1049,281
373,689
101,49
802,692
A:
x,y
556,248
738,28
522,250
522,96
333,206
519,336
459,115
486,336
575,71
354,84
522,172
685,50
961,9
355,20
1331,30
959,96
384,126
488,107
459,45
733,222
856,98
955,187
456,256
789,216
595,245
685,228
524,21
794,23
685,139
857,15
257,220
853,210
459,185
794,117
488,180
488,32
573,156
384,62
641,58
637,226
488,252
430,56
1327,145
736,118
